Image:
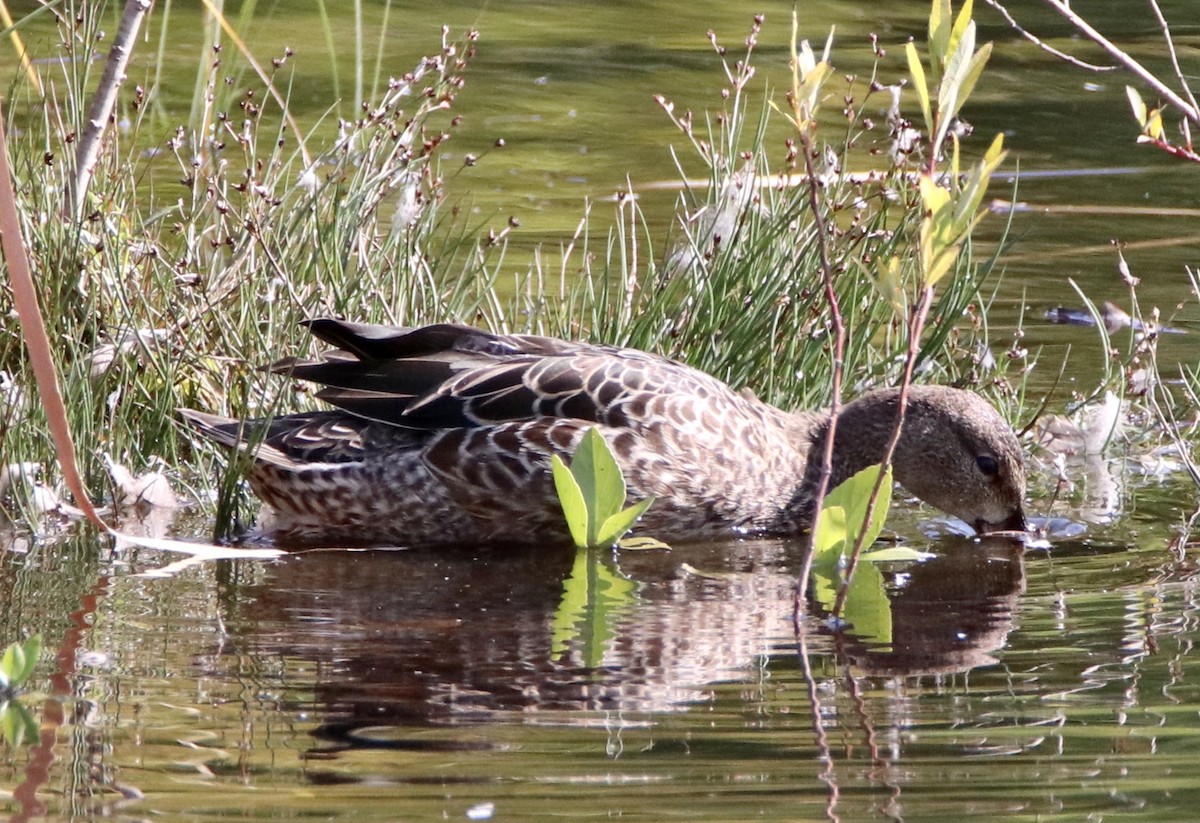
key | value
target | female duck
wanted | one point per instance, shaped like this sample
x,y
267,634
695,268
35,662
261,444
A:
x,y
443,434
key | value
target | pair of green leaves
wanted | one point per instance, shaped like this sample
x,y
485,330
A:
x,y
842,519
592,492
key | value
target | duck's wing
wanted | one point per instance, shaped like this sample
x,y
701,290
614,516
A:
x,y
298,441
449,376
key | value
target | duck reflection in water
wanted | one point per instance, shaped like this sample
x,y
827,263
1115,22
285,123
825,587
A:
x,y
417,638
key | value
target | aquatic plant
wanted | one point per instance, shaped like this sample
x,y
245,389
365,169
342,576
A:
x,y
592,494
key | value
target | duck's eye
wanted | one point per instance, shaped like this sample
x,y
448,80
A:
x,y
988,465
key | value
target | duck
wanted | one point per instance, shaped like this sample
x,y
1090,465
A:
x,y
443,434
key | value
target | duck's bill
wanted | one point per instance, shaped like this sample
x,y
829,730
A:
x,y
1015,525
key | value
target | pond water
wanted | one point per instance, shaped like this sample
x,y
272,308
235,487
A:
x,y
1040,684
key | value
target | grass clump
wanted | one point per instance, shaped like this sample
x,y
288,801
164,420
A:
x,y
192,263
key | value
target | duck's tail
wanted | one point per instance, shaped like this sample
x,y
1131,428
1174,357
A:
x,y
242,436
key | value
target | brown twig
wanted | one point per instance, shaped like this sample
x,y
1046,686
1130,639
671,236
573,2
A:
x,y
839,344
915,327
824,753
1189,110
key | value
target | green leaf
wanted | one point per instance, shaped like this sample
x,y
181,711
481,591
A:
x,y
32,650
893,554
641,542
974,70
971,197
600,481
615,527
961,22
12,663
843,517
939,34
949,97
868,609
917,73
570,497
829,537
853,496
941,264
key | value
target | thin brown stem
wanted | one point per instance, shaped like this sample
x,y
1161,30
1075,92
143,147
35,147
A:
x,y
839,344
824,753
915,327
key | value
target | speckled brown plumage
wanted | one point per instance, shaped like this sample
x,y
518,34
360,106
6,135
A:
x,y
443,434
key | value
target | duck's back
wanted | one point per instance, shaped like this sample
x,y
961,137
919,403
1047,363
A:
x,y
445,434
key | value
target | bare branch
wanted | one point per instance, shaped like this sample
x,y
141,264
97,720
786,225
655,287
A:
x,y
1183,83
916,326
1190,111
808,149
1032,38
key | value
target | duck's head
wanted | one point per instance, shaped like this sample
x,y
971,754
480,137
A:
x,y
956,452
